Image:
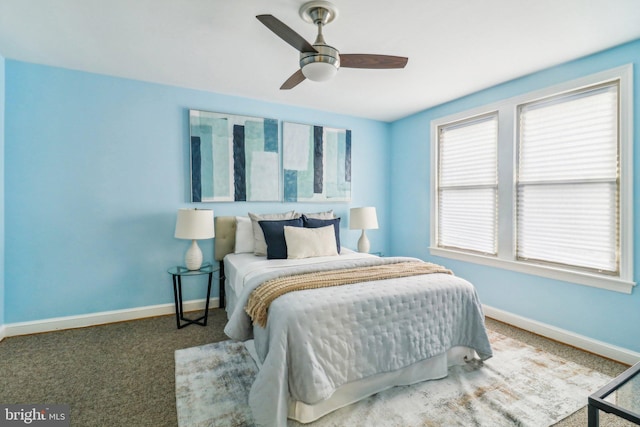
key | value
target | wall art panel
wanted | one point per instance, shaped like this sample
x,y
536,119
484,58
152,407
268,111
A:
x,y
233,158
316,163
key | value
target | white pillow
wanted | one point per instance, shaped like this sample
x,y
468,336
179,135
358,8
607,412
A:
x,y
244,235
310,242
319,215
260,245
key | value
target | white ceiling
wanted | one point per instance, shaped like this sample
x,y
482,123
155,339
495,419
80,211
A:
x,y
455,47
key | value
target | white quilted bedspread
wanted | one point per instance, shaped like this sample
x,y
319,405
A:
x,y
318,340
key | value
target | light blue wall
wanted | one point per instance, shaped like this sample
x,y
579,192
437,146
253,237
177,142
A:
x,y
96,168
603,315
2,62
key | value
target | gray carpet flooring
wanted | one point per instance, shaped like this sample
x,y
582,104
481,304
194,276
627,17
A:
x,y
122,374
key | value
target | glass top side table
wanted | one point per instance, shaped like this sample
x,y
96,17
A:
x,y
177,273
620,397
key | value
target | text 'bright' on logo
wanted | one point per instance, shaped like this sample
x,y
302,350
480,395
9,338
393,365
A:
x,y
35,415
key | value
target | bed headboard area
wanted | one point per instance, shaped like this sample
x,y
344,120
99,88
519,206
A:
x,y
225,240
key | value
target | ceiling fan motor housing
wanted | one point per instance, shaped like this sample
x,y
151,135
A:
x,y
326,54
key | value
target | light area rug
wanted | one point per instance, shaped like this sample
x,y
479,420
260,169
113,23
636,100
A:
x,y
519,386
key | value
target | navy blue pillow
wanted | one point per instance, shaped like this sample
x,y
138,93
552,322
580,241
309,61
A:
x,y
317,223
274,236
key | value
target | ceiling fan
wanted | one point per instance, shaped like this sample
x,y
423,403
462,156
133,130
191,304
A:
x,y
320,62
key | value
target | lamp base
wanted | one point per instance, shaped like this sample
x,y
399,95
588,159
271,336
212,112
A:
x,y
363,243
193,257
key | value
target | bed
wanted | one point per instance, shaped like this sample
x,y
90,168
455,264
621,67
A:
x,y
327,347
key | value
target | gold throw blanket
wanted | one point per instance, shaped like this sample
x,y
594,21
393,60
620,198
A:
x,y
263,295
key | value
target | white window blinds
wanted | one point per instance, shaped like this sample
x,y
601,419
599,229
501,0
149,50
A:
x,y
568,180
467,184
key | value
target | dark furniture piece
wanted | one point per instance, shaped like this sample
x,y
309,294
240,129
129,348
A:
x,y
177,273
620,397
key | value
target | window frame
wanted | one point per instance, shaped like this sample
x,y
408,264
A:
x,y
507,163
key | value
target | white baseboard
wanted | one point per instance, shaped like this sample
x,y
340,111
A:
x,y
93,319
591,345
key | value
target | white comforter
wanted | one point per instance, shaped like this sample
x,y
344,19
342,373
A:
x,y
318,340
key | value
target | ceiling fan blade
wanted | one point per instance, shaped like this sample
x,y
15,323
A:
x,y
293,81
286,33
358,60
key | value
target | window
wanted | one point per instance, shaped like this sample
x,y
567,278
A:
x,y
540,183
468,184
567,181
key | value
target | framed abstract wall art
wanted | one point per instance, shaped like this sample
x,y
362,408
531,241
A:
x,y
316,163
233,158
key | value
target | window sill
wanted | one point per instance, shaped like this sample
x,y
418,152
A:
x,y
582,278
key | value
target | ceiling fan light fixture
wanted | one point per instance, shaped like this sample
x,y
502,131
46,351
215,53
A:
x,y
319,71
322,65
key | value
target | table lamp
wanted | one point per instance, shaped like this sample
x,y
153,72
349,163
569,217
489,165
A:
x,y
194,224
363,219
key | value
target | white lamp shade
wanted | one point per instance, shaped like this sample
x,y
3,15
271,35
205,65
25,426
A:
x,y
363,219
195,224
319,71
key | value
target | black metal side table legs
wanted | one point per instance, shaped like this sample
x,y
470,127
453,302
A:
x,y
176,274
